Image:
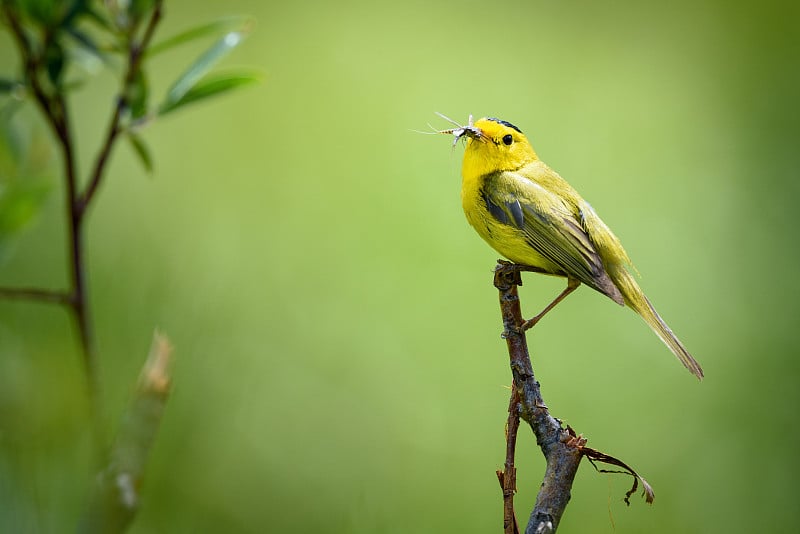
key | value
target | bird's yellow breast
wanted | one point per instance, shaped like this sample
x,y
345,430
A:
x,y
507,240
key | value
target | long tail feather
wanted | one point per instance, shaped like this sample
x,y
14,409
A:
x,y
635,299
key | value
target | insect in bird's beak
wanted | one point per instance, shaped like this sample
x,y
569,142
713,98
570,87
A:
x,y
469,130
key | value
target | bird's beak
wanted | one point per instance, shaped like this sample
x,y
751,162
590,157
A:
x,y
465,131
473,132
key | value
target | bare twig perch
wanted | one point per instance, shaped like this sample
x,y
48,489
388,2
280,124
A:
x,y
562,448
562,456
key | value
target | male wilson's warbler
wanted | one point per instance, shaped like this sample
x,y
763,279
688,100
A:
x,y
533,217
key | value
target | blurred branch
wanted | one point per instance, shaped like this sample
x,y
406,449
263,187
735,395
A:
x,y
562,447
42,295
115,498
31,63
51,99
38,30
53,106
135,55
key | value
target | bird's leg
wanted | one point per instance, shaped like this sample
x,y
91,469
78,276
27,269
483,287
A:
x,y
572,285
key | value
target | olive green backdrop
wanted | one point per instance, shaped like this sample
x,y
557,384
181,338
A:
x,y
338,360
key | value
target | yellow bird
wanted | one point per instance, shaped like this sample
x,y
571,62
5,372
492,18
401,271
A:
x,y
533,217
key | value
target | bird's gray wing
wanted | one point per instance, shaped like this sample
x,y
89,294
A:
x,y
550,227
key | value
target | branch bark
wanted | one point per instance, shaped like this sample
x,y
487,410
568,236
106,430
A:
x,y
561,450
508,475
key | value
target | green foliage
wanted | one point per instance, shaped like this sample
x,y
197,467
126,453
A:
x,y
191,86
56,40
138,95
25,176
142,151
217,27
206,87
62,38
8,85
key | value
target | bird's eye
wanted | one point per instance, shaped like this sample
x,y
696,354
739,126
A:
x,y
507,139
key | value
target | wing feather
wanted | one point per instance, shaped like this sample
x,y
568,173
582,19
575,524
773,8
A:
x,y
549,226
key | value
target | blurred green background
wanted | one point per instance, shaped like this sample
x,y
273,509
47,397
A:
x,y
338,360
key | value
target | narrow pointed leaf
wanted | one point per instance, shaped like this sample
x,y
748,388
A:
x,y
54,61
138,94
201,66
142,151
100,18
216,27
137,9
87,43
7,85
45,13
211,86
20,204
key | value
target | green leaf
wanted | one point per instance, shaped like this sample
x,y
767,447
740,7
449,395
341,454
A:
x,y
211,86
73,11
139,8
126,15
138,94
201,66
46,13
142,151
88,44
24,177
51,15
14,146
100,17
19,204
54,61
11,106
225,24
8,85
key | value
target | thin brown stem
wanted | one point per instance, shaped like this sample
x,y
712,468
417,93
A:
x,y
34,293
135,55
85,199
54,108
30,67
561,453
508,476
77,262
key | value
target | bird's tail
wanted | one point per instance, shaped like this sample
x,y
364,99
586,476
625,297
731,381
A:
x,y
635,299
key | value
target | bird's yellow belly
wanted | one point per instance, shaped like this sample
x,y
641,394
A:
x,y
505,239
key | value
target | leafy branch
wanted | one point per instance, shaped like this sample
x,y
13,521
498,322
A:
x,y
48,34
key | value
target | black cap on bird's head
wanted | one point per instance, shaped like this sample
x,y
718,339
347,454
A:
x,y
504,123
